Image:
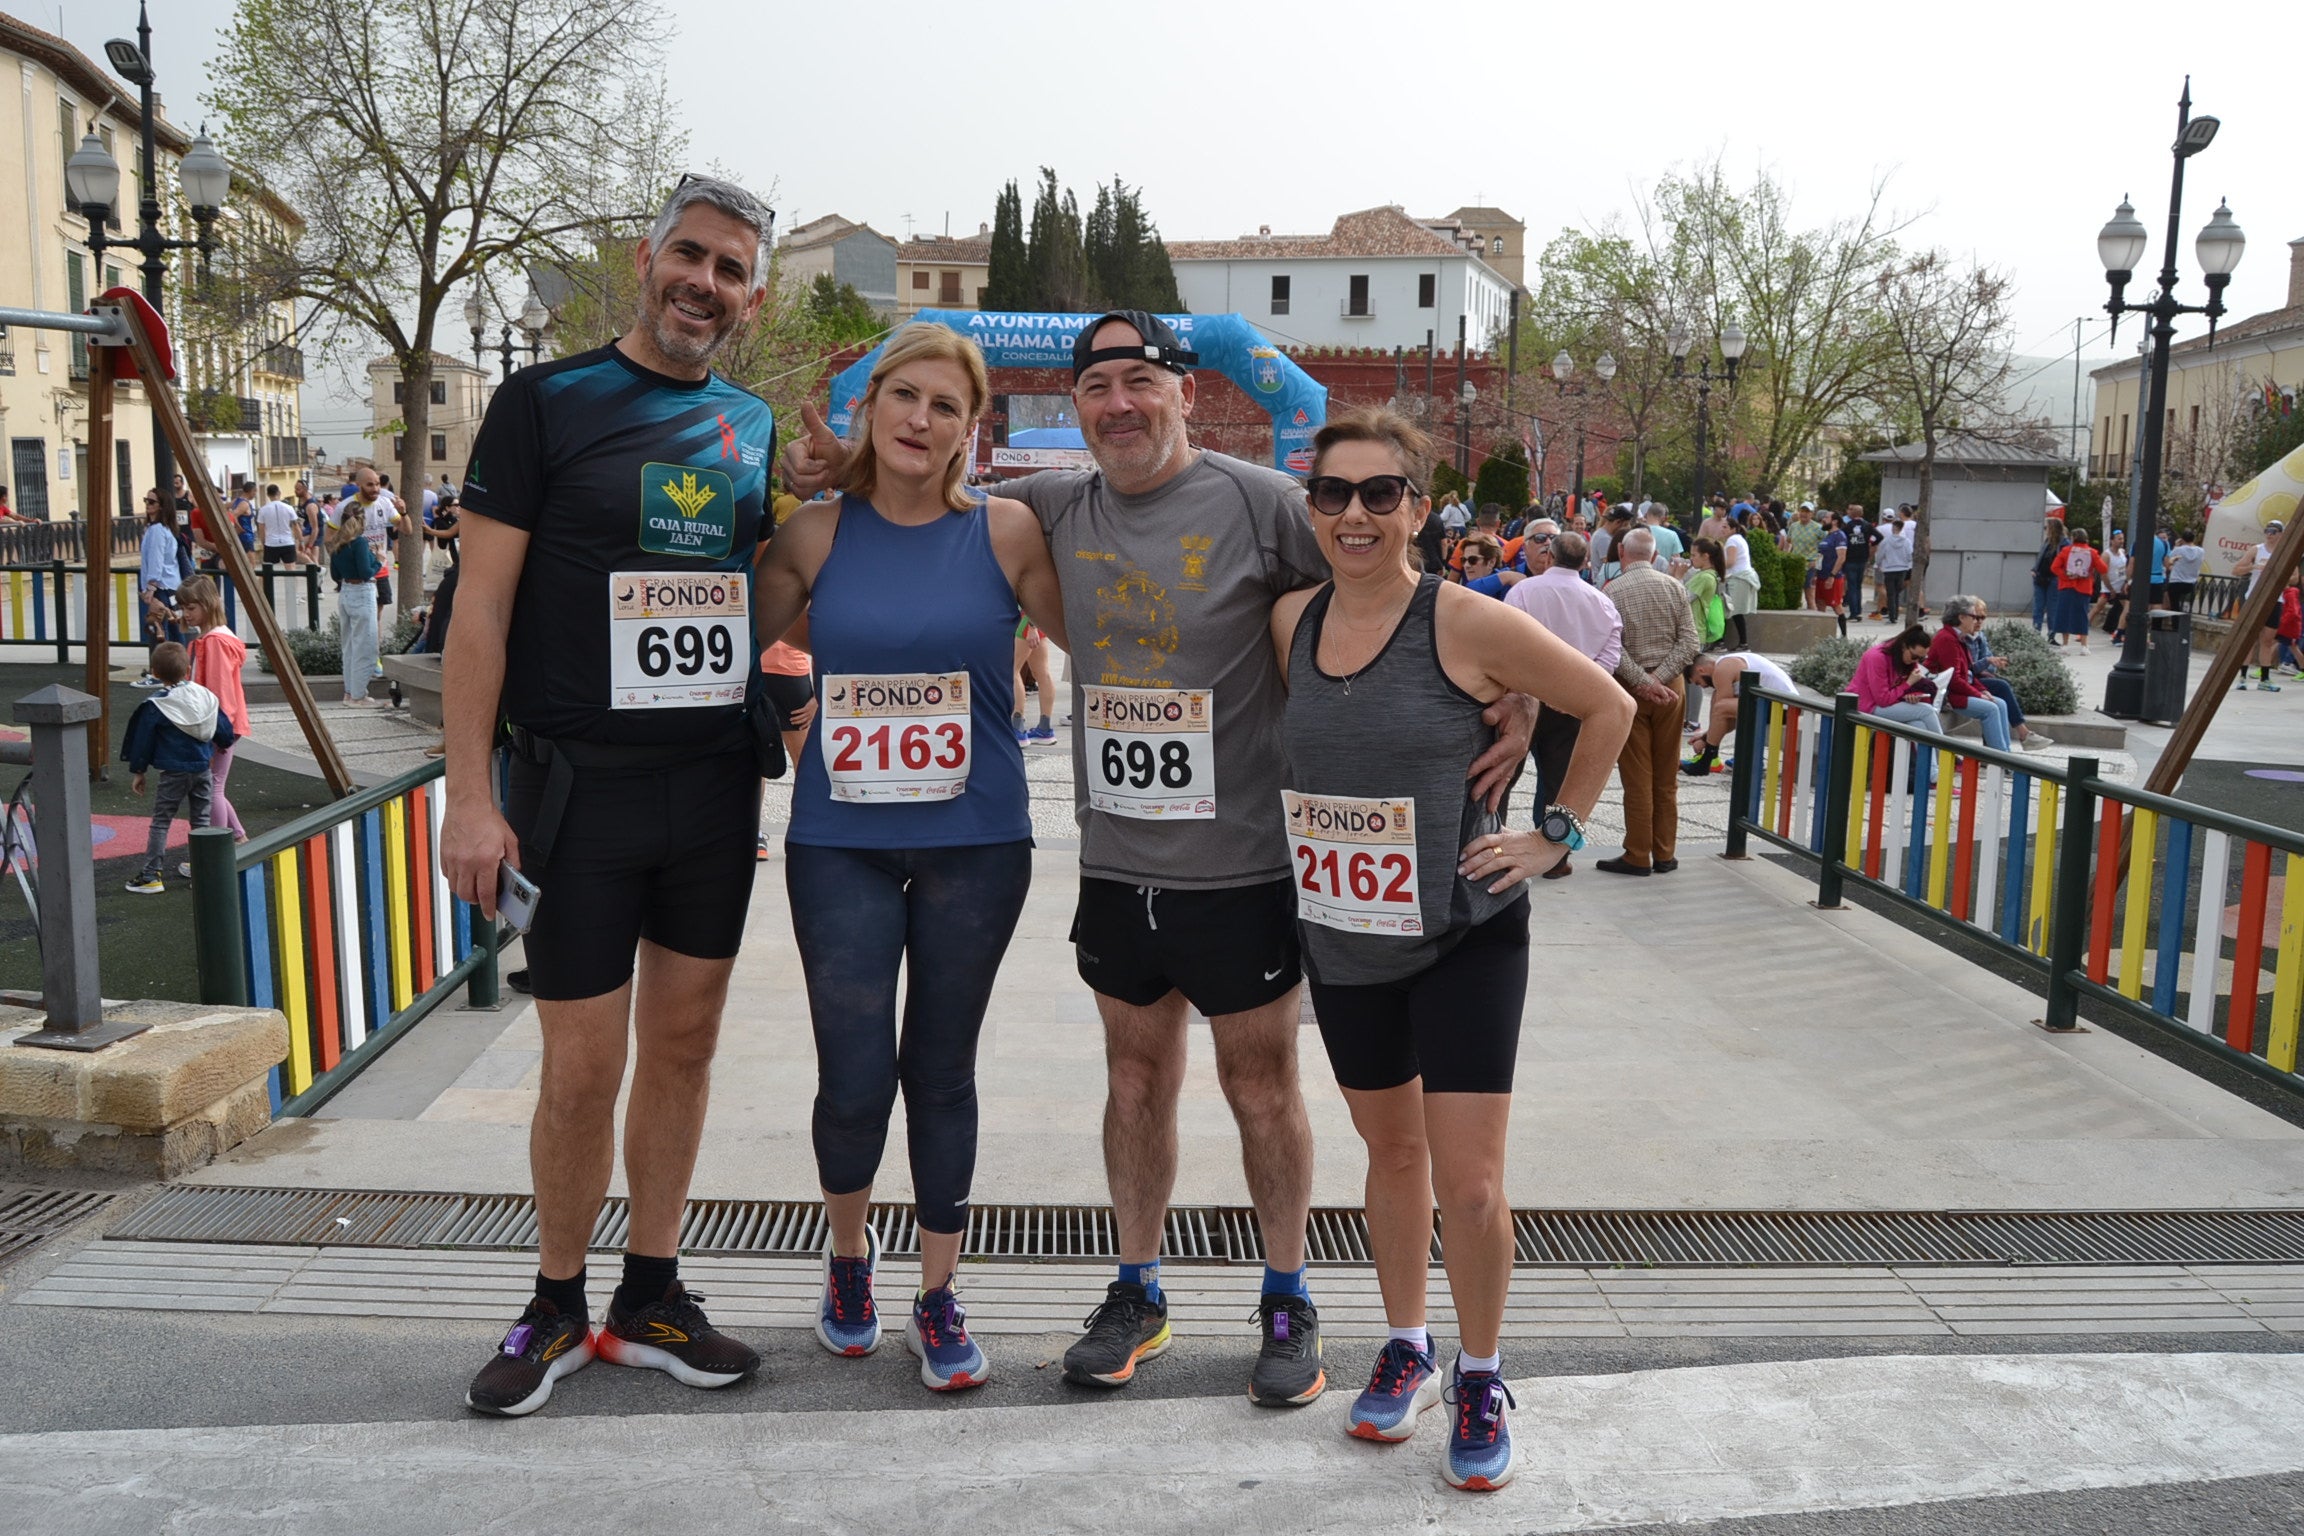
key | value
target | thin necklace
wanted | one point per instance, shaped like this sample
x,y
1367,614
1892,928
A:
x,y
1390,623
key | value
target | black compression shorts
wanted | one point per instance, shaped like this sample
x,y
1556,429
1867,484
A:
x,y
664,855
1456,1023
789,694
1227,951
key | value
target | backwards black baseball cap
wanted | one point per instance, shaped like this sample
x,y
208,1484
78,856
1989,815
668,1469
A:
x,y
1160,345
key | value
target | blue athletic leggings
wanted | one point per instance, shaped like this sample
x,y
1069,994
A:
x,y
947,914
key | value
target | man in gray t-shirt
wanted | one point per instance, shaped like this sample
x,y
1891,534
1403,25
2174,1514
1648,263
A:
x,y
1170,559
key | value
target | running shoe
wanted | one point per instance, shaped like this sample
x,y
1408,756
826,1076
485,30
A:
x,y
760,850
1404,1384
542,1347
147,885
2264,687
1288,1373
1042,733
1023,737
1127,1326
674,1336
1480,1441
847,1323
2037,742
937,1331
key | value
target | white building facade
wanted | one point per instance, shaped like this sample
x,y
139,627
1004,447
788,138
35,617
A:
x,y
1377,279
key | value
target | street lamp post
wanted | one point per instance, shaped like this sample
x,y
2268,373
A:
x,y
1732,344
534,320
1563,369
2121,244
92,182
1466,393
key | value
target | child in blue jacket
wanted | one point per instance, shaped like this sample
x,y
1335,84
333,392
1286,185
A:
x,y
178,731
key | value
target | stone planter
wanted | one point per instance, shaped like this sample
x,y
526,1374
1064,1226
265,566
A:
x,y
418,678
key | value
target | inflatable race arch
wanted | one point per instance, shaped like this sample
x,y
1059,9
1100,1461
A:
x,y
1227,344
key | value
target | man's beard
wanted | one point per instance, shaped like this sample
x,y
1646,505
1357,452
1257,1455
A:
x,y
1140,460
678,345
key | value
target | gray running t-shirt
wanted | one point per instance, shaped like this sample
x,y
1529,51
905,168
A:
x,y
1174,589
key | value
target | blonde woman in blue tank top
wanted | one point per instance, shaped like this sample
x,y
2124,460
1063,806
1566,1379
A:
x,y
911,836
1413,901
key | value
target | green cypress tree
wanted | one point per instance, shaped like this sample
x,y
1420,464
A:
x,y
1058,265
1008,285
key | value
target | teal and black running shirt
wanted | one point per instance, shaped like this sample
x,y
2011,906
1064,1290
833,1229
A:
x,y
642,497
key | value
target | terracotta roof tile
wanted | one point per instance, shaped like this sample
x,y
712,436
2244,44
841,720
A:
x,y
1382,231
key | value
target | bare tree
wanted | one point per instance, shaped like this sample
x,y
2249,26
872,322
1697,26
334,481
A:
x,y
428,141
1803,296
1945,368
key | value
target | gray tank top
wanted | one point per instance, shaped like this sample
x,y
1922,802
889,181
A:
x,y
1397,733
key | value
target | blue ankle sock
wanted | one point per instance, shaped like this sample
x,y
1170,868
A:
x,y
1285,1282
1147,1276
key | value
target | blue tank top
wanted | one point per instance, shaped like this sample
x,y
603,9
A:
x,y
897,600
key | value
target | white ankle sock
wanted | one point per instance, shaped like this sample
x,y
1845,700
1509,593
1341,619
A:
x,y
1420,1337
1465,1362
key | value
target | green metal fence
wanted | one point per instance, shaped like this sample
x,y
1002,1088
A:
x,y
344,922
2106,892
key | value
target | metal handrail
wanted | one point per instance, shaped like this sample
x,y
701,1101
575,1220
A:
x,y
2199,815
328,817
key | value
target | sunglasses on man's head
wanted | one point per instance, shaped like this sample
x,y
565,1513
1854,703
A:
x,y
1331,494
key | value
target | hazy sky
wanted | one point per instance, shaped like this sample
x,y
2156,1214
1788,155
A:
x,y
2010,129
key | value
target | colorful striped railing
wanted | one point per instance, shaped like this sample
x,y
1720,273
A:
x,y
47,605
2108,893
344,922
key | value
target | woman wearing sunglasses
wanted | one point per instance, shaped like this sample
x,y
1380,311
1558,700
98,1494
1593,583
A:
x,y
1411,903
1483,566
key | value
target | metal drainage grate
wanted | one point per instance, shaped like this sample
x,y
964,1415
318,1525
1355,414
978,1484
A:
x,y
1229,1234
28,1215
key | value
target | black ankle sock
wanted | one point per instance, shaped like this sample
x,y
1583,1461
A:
x,y
645,1280
567,1295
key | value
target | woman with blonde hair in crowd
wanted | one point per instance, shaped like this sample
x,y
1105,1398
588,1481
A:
x,y
352,562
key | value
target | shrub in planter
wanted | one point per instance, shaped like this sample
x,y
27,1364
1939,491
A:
x,y
1828,666
320,652
1782,573
2043,684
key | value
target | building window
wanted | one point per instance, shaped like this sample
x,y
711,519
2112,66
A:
x,y
439,447
1357,304
439,391
7,353
123,478
399,391
1496,246
948,288
1427,290
68,125
1280,295
399,445
920,280
76,290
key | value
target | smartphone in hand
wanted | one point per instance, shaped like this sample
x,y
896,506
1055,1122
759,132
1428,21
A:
x,y
516,897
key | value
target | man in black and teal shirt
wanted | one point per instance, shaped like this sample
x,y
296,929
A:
x,y
603,613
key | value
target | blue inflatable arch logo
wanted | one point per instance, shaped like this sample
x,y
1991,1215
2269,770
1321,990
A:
x,y
1227,344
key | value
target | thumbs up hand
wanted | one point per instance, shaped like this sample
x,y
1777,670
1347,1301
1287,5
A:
x,y
814,458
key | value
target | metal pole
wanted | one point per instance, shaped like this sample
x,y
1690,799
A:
x,y
71,992
1512,354
1740,772
1703,420
148,236
2124,689
2076,325
2068,918
99,531
1463,422
217,919
1839,789
480,989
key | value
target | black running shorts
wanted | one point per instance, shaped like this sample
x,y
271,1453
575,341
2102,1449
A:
x,y
1227,951
1456,1023
664,855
